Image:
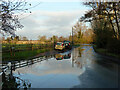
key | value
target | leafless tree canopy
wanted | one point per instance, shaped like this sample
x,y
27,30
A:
x,y
9,10
104,10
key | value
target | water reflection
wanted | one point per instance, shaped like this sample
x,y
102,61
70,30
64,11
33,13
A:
x,y
53,71
77,59
10,81
100,71
80,67
61,57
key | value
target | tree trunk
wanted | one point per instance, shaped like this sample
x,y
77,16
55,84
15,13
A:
x,y
117,23
112,25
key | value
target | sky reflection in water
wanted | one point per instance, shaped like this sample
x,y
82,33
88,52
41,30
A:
x,y
53,73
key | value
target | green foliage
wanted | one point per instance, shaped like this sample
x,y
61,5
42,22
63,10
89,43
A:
x,y
104,10
12,82
23,51
22,47
113,46
103,33
104,38
23,54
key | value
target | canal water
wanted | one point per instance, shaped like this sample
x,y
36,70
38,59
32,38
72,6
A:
x,y
80,67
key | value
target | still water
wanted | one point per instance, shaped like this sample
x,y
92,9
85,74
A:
x,y
78,68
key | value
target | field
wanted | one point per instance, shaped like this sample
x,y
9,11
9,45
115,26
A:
x,y
23,51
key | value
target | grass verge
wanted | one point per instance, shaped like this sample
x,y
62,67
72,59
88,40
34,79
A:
x,y
21,55
105,52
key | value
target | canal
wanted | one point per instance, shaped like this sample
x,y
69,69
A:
x,y
80,67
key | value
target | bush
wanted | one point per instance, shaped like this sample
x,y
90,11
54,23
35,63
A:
x,y
113,46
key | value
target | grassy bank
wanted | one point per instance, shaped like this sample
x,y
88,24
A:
x,y
24,47
76,44
21,55
105,52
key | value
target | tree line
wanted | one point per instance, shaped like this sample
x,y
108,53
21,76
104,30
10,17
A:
x,y
105,21
81,33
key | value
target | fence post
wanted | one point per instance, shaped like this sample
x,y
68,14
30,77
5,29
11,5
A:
x,y
27,62
14,66
32,61
11,75
19,63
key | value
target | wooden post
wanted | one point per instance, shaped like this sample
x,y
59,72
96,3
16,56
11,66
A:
x,y
27,62
11,75
72,35
14,66
19,64
32,61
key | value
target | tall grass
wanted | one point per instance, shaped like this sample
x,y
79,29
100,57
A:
x,y
21,55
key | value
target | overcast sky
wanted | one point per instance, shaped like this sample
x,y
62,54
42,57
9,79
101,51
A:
x,y
51,18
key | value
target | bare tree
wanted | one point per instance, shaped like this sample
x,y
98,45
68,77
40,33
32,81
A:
x,y
104,11
9,15
25,38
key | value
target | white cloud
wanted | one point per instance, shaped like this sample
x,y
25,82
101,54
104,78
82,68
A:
x,y
75,0
49,23
37,69
58,0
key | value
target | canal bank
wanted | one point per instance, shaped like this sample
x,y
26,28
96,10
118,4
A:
x,y
53,52
23,55
104,52
83,69
30,54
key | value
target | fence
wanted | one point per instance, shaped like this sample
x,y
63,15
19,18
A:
x,y
22,47
18,64
6,69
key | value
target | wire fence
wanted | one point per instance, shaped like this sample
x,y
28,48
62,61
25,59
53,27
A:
x,y
23,47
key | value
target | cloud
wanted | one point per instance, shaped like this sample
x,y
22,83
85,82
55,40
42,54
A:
x,y
58,0
52,67
74,0
49,23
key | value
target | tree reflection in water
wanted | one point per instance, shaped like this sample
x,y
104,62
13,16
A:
x,y
10,81
76,55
